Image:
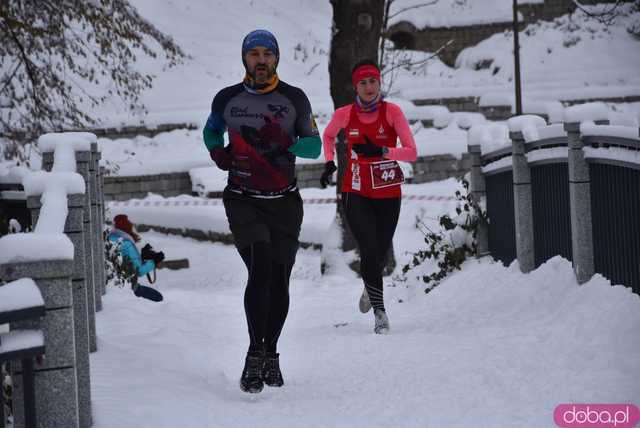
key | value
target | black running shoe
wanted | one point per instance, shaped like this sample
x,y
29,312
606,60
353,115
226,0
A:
x,y
271,374
251,380
381,322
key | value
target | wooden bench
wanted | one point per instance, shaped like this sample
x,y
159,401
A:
x,y
21,300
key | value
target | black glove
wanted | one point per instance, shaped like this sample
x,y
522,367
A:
x,y
368,149
329,169
222,157
158,257
147,253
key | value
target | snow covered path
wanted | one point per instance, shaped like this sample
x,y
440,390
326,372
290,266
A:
x,y
488,348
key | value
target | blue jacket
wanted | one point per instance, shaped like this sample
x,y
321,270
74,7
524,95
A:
x,y
128,250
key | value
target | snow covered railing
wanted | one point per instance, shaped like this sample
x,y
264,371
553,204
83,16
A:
x,y
86,164
611,173
64,256
19,301
569,189
542,192
45,260
492,186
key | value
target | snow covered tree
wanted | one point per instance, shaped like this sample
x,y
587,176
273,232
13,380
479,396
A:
x,y
61,59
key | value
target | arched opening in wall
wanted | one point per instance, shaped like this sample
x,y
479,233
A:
x,y
403,40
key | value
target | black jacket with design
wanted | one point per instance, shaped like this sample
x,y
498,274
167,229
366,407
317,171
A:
x,y
266,133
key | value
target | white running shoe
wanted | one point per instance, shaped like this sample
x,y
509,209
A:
x,y
382,322
365,303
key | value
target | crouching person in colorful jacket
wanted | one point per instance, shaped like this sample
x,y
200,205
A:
x,y
124,237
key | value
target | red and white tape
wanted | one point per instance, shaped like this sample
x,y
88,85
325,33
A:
x,y
214,202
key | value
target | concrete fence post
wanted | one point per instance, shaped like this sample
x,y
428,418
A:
x,y
83,162
74,228
96,231
56,377
102,217
580,199
478,190
83,165
522,201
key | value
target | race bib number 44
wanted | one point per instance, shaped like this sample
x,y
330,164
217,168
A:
x,y
385,174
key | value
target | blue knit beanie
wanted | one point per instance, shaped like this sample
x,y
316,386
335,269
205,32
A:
x,y
260,38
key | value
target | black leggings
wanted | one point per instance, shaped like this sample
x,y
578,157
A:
x,y
266,298
373,223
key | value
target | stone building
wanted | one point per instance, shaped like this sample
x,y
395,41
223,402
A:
x,y
429,39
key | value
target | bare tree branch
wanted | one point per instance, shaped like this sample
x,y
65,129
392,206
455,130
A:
x,y
58,56
393,15
409,64
606,17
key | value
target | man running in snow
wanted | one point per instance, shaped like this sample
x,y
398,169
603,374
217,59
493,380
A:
x,y
269,123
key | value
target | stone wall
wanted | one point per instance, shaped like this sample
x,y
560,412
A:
x,y
426,168
440,167
503,112
309,174
134,131
432,39
123,188
468,104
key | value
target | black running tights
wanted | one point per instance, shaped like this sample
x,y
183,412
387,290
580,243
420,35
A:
x,y
373,223
266,298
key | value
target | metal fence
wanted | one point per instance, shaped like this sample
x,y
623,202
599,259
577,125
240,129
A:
x,y
502,226
615,215
565,195
551,211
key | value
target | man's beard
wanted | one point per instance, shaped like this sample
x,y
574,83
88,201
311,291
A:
x,y
270,72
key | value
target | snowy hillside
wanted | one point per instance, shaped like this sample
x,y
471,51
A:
x,y
573,57
584,58
211,33
577,53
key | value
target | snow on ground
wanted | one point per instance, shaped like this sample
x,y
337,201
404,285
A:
x,y
488,347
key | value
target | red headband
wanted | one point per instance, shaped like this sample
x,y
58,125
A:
x,y
364,71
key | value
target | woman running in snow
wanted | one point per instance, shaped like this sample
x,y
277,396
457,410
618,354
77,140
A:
x,y
372,179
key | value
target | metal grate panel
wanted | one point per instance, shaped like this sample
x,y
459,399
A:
x,y
551,211
502,225
615,212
